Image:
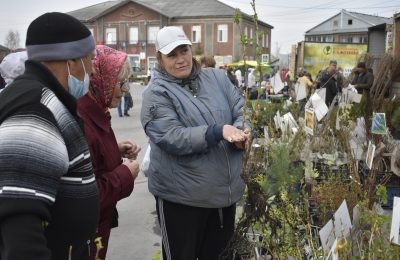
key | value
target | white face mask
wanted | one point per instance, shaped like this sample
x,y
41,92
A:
x,y
76,87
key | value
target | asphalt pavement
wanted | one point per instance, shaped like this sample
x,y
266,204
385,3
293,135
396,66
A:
x,y
138,235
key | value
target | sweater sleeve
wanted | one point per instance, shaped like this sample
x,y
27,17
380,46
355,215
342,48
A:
x,y
114,186
214,134
22,229
114,180
33,157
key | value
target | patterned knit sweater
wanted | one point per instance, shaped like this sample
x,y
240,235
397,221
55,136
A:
x,y
48,196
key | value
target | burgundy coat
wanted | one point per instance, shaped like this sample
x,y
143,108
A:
x,y
114,179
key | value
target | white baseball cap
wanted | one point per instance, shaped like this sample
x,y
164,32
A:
x,y
170,37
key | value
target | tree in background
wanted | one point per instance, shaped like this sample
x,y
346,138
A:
x,y
278,47
12,40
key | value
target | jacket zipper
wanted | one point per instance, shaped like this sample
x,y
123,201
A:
x,y
230,177
226,153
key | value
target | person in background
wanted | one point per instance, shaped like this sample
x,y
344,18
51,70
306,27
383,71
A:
x,y
12,66
332,68
49,204
329,82
304,79
289,77
283,73
239,78
232,77
363,79
193,117
207,61
309,76
251,78
114,177
128,100
262,92
252,90
126,95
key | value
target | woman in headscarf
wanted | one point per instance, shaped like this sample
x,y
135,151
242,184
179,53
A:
x,y
12,66
114,176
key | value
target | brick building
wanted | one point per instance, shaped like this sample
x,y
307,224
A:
x,y
132,26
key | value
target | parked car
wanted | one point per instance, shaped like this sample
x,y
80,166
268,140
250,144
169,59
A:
x,y
138,74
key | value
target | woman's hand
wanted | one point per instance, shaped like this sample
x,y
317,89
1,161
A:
x,y
129,149
236,136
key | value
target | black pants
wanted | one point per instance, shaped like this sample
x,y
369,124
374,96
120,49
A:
x,y
190,233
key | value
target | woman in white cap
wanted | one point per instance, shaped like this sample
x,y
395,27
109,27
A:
x,y
193,117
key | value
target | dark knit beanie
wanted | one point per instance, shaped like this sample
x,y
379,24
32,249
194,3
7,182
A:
x,y
58,36
361,65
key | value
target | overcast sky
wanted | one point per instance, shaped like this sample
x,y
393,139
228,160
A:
x,y
290,18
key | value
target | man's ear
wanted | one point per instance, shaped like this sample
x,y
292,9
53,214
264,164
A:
x,y
71,62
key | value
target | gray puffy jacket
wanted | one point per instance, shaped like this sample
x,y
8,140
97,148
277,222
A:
x,y
183,168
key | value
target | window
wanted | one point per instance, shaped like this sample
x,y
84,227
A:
x,y
133,35
335,23
222,33
356,39
266,40
365,39
134,60
251,33
263,41
111,35
196,33
246,32
152,61
91,31
350,22
152,34
350,39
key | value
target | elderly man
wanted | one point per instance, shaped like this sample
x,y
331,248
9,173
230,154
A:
x,y
48,196
330,71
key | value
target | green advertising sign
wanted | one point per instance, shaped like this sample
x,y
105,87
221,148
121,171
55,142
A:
x,y
318,55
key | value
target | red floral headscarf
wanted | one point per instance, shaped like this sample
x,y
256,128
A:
x,y
107,65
